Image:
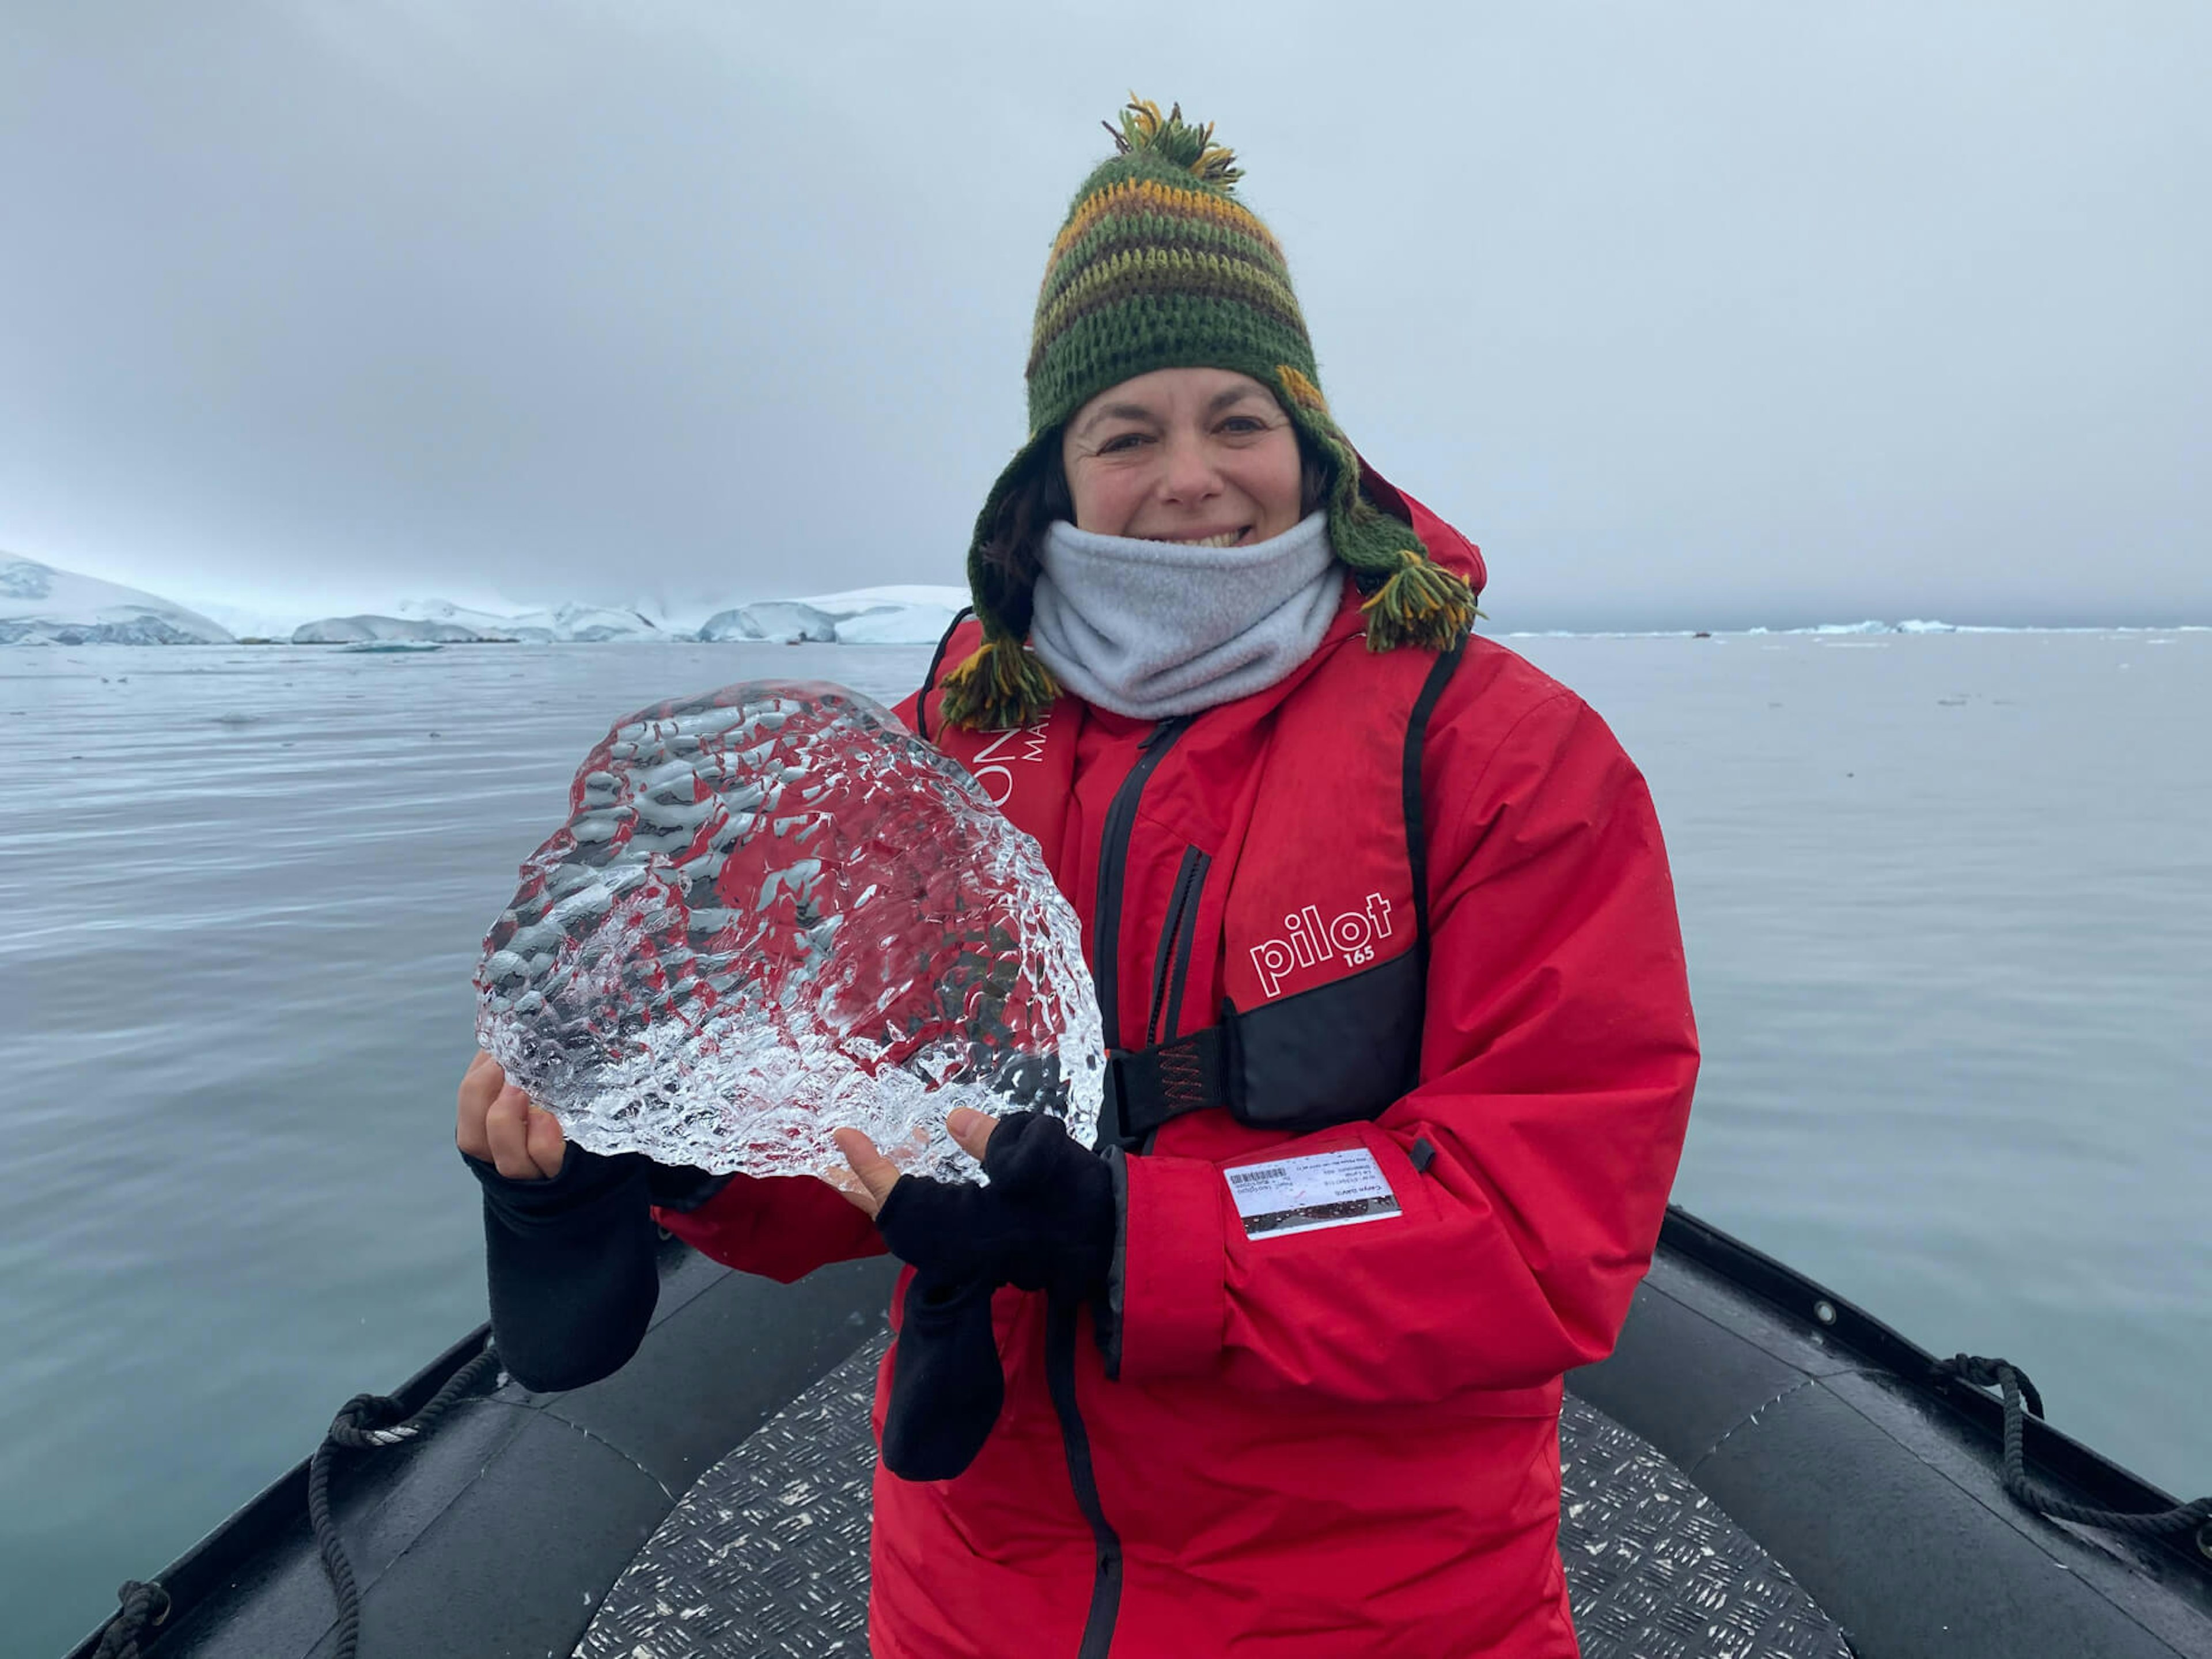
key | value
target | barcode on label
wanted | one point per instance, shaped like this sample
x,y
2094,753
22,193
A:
x,y
1253,1180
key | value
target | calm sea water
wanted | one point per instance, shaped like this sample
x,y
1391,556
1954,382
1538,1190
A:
x,y
1949,901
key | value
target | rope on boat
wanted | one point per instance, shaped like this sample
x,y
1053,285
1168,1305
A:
x,y
2003,1373
369,1420
144,1607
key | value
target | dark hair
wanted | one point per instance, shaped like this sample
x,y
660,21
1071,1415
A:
x,y
1033,500
1039,495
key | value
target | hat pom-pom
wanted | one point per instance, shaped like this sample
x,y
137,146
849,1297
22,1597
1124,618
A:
x,y
1420,603
998,689
1174,139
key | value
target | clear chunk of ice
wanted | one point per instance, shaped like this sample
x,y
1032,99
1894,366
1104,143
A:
x,y
774,912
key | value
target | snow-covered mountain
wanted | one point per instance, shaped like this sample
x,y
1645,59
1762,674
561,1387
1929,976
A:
x,y
900,614
260,621
903,614
787,620
564,624
41,605
442,621
366,629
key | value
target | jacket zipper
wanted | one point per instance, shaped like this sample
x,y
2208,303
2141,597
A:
x,y
1175,947
1059,1329
1113,860
1060,1317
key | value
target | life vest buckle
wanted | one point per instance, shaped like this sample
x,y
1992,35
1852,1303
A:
x,y
1148,1087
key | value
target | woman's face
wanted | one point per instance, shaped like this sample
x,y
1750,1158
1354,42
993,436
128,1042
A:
x,y
1196,455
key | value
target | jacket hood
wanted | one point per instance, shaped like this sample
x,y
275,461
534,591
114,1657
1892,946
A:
x,y
1446,545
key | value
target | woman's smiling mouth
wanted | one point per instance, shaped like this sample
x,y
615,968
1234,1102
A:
x,y
1221,538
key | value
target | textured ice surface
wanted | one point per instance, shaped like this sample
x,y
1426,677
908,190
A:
x,y
772,912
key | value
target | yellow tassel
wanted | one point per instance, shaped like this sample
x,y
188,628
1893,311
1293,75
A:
x,y
1421,604
1143,127
999,688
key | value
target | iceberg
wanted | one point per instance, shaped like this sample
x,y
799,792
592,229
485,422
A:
x,y
41,605
787,620
1914,625
905,623
591,624
901,614
388,630
448,622
486,624
773,913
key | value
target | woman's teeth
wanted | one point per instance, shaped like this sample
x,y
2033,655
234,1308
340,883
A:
x,y
1226,538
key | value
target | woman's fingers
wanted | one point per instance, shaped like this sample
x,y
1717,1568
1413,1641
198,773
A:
x,y
970,1129
871,1177
850,1189
480,1086
547,1144
499,1123
876,1174
507,1126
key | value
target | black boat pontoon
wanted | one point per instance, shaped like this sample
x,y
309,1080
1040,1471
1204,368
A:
x,y
1760,1471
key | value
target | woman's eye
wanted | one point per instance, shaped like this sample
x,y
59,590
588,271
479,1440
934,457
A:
x,y
1120,442
1243,425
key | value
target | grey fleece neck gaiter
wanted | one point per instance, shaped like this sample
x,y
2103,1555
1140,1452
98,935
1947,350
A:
x,y
1154,628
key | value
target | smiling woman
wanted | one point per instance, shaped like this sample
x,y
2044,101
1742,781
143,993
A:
x,y
1399,1036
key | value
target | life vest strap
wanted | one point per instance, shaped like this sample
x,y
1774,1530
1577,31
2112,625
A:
x,y
1146,1088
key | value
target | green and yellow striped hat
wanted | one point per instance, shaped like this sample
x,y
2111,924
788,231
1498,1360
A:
x,y
1159,266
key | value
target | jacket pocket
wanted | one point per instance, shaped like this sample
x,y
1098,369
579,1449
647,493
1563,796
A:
x,y
1341,1052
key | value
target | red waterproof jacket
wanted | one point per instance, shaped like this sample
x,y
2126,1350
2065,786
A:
x,y
1320,1418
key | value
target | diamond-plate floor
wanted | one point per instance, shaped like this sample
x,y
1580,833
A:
x,y
768,1553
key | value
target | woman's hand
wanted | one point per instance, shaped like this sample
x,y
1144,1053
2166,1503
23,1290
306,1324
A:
x,y
1048,1220
874,1175
500,1124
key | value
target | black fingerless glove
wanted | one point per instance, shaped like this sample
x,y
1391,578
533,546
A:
x,y
1046,1222
570,1268
946,1385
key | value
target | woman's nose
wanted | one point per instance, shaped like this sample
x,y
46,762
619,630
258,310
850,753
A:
x,y
1188,471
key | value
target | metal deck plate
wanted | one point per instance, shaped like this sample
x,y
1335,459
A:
x,y
768,1553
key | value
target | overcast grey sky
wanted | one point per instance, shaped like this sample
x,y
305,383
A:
x,y
1709,313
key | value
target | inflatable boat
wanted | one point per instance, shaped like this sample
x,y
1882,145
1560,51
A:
x,y
1760,1470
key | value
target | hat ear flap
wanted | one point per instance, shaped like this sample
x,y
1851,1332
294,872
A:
x,y
1420,603
1410,599
1001,687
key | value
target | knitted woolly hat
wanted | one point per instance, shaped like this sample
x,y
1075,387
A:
x,y
1159,266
